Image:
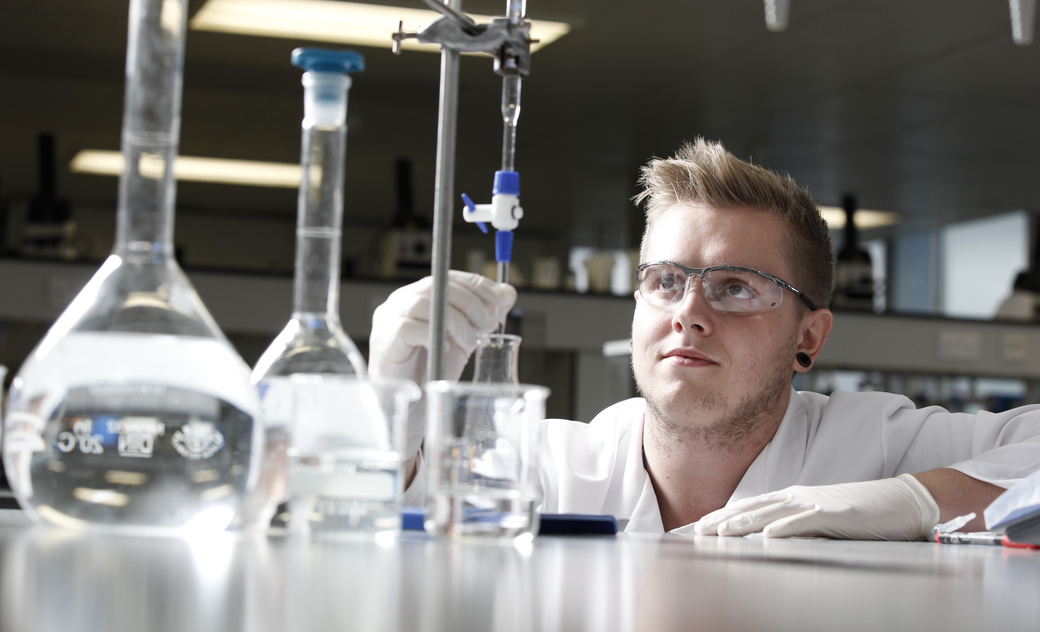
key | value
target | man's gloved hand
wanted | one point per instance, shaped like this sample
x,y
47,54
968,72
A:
x,y
400,334
898,508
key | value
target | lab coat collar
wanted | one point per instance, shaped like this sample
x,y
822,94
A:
x,y
646,515
780,462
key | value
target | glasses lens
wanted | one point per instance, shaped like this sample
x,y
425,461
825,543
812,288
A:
x,y
735,290
662,284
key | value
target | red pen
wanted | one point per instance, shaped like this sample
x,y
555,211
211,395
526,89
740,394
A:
x,y
1018,545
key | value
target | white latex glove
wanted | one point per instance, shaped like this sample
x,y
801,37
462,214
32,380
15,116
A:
x,y
400,334
898,508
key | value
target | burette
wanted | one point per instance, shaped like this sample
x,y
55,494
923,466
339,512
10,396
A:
x,y
515,10
507,39
504,211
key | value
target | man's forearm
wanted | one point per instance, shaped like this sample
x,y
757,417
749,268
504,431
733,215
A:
x,y
958,494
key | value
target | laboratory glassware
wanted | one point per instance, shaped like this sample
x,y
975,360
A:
x,y
481,457
345,454
496,359
313,342
134,411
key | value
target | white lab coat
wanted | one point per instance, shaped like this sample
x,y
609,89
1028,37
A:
x,y
846,437
597,468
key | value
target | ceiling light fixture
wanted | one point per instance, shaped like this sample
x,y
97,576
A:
x,y
835,218
287,175
340,22
195,169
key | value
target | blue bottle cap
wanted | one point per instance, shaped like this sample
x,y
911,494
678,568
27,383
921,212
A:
x,y
507,182
326,60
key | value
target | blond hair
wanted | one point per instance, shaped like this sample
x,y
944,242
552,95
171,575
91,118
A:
x,y
705,173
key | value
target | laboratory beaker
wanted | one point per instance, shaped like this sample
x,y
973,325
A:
x,y
134,411
496,359
481,457
313,342
345,455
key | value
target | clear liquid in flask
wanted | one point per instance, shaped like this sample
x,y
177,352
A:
x,y
130,430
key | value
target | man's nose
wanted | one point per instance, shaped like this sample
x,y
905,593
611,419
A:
x,y
693,310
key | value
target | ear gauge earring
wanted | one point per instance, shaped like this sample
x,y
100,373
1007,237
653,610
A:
x,y
803,359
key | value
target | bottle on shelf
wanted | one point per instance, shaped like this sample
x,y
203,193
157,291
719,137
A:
x,y
853,272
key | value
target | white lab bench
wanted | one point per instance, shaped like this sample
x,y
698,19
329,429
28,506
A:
x,y
52,579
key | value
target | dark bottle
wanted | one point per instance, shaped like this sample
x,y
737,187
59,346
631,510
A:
x,y
853,274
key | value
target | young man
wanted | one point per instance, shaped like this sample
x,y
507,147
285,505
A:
x,y
736,273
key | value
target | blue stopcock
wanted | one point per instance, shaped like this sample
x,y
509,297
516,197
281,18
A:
x,y
503,213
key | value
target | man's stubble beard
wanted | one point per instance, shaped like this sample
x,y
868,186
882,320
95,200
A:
x,y
732,431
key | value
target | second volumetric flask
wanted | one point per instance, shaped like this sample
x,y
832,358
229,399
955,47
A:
x,y
313,342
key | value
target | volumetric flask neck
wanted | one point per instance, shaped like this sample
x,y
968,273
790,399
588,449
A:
x,y
319,222
151,128
497,359
319,226
141,288
315,342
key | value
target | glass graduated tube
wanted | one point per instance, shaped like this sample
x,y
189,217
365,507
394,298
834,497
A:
x,y
313,342
496,359
134,411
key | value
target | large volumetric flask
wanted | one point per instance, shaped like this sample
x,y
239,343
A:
x,y
313,342
134,412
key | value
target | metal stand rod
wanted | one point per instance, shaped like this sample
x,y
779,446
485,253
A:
x,y
444,197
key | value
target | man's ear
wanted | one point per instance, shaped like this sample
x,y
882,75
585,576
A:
x,y
815,326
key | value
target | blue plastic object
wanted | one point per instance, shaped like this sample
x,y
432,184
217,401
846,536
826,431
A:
x,y
412,519
503,245
473,207
326,60
507,182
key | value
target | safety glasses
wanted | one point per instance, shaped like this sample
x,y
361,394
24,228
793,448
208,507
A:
x,y
727,288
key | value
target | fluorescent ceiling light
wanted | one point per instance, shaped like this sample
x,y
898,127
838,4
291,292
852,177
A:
x,y
287,175
341,22
194,168
865,218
